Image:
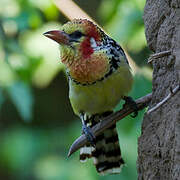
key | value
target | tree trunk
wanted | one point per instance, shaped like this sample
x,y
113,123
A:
x,y
159,143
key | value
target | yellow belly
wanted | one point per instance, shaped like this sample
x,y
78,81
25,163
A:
x,y
103,95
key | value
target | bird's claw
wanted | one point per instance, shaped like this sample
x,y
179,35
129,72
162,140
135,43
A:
x,y
130,102
89,135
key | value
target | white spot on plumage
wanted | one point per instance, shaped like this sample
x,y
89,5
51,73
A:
x,y
112,171
86,150
93,43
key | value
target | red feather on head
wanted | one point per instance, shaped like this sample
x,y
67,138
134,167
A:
x,y
91,32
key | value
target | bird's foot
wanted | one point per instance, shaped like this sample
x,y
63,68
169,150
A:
x,y
130,102
89,135
86,130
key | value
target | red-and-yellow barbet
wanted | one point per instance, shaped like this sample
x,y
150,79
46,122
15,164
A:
x,y
99,77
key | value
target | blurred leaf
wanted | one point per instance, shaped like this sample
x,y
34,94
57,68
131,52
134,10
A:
x,y
19,148
22,20
138,36
1,98
108,9
51,12
126,26
7,76
36,45
35,20
9,8
26,72
22,97
13,46
41,4
130,20
53,167
142,86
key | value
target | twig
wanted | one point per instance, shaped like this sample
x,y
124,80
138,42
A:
x,y
158,55
71,10
171,94
108,121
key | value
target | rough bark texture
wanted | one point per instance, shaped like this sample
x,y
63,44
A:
x,y
159,143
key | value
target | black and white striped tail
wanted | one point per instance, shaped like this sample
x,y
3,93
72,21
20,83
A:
x,y
107,154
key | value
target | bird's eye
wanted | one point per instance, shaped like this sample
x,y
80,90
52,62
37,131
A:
x,y
76,35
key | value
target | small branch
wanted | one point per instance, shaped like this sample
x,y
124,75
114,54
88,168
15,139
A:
x,y
158,55
108,121
71,10
171,94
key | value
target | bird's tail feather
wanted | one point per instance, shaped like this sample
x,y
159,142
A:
x,y
107,154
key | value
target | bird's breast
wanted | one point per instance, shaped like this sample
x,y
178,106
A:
x,y
103,95
89,70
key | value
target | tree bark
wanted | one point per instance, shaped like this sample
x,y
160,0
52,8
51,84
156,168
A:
x,y
159,143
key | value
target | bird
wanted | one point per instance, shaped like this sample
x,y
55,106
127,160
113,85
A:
x,y
99,78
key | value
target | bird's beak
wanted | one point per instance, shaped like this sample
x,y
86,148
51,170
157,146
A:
x,y
59,36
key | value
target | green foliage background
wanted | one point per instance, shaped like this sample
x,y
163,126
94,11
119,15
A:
x,y
37,124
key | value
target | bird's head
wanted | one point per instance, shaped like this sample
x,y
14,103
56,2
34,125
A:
x,y
79,40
